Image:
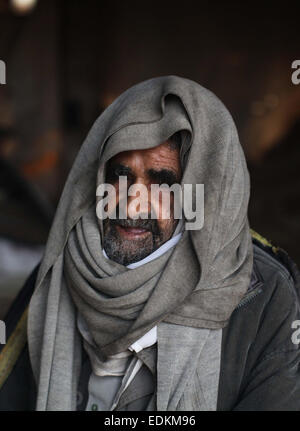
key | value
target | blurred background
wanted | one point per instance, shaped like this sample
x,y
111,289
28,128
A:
x,y
66,61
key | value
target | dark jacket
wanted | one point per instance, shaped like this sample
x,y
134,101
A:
x,y
260,362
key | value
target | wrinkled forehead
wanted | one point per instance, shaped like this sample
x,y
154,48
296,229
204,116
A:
x,y
170,147
149,162
170,154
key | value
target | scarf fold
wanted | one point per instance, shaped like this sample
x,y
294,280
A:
x,y
196,284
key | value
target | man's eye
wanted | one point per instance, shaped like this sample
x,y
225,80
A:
x,y
168,181
115,173
120,172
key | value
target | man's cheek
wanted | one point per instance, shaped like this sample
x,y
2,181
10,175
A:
x,y
110,208
113,202
162,205
165,228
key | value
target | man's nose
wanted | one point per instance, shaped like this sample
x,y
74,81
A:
x,y
138,199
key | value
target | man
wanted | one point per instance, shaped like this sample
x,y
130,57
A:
x,y
136,311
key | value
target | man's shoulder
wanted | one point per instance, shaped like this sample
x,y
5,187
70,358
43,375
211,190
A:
x,y
274,289
258,352
272,266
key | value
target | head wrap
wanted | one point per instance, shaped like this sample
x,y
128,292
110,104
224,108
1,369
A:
x,y
196,284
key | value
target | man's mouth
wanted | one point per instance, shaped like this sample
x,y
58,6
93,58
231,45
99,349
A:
x,y
132,232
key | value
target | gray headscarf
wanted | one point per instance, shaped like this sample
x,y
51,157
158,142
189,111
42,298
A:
x,y
197,284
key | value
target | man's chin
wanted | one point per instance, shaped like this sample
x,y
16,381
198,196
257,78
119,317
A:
x,y
127,251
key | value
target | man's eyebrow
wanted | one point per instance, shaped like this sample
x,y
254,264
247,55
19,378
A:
x,y
163,176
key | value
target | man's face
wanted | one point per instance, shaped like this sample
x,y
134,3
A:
x,y
130,240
